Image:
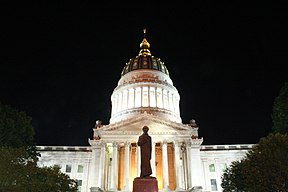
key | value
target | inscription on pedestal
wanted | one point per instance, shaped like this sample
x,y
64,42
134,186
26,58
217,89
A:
x,y
148,184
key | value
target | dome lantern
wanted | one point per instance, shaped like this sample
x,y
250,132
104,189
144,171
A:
x,y
144,60
144,46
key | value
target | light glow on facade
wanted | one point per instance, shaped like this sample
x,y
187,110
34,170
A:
x,y
144,95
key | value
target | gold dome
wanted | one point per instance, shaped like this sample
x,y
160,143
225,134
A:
x,y
145,60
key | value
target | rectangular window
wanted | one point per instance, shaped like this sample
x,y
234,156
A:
x,y
154,64
131,98
223,166
159,98
57,166
138,97
145,97
68,168
152,97
212,168
165,97
135,64
80,169
213,184
145,63
125,97
79,185
126,68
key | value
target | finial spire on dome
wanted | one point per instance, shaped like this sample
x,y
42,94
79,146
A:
x,y
144,32
144,45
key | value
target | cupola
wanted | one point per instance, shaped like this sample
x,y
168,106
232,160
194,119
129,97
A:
x,y
145,87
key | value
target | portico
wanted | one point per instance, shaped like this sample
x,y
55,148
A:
x,y
172,147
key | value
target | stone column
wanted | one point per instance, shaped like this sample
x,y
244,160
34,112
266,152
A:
x,y
93,169
114,168
187,163
126,166
165,167
149,104
101,167
162,98
141,101
138,161
168,101
178,162
156,97
195,164
153,159
134,95
182,171
93,182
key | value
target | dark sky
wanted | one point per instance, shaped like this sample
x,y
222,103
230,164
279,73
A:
x,y
62,60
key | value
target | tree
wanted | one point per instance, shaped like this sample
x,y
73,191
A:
x,y
233,177
19,171
15,127
17,174
280,111
264,168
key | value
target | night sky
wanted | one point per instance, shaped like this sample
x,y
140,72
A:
x,y
62,60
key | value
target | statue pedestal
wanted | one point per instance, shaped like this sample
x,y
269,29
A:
x,y
148,184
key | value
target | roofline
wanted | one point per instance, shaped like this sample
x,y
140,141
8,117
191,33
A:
x,y
226,147
202,147
64,148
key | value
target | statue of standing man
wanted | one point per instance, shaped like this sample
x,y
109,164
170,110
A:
x,y
145,144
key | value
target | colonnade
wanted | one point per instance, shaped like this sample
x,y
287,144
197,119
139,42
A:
x,y
183,174
145,96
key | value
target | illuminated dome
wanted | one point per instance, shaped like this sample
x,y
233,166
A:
x,y
145,86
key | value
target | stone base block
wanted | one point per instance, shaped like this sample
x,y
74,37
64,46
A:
x,y
148,184
95,189
196,189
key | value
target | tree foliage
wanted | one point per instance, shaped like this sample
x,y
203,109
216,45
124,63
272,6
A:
x,y
15,127
19,171
264,168
19,174
16,130
280,111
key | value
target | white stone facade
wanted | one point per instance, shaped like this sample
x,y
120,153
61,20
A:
x,y
212,161
145,95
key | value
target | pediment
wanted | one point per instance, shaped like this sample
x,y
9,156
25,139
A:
x,y
156,126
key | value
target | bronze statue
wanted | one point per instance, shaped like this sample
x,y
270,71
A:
x,y
145,144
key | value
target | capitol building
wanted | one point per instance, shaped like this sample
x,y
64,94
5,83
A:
x,y
144,96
